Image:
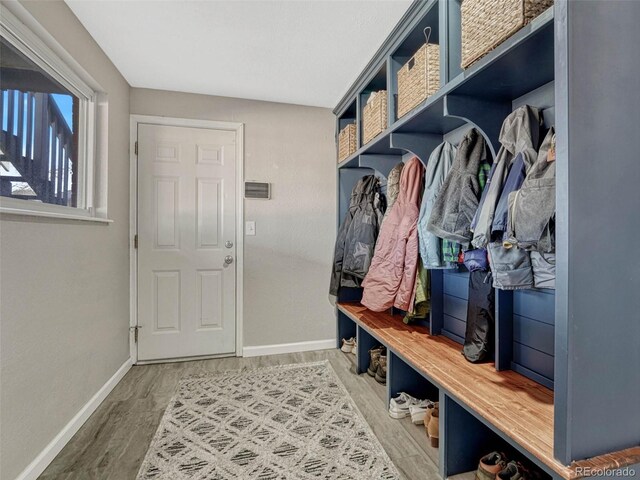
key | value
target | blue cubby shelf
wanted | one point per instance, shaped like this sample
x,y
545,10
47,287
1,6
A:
x,y
543,338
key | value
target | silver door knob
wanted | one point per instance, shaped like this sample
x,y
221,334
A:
x,y
228,244
228,260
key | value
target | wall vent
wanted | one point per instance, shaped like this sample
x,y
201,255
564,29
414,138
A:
x,y
259,190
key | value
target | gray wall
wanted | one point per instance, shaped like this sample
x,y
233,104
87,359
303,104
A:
x,y
64,284
288,263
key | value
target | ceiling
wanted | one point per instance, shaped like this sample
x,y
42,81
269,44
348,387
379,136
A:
x,y
305,52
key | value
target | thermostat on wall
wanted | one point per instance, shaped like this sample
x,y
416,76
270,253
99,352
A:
x,y
257,190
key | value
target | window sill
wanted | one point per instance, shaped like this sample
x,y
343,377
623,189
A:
x,y
62,216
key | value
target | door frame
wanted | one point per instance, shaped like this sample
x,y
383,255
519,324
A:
x,y
238,128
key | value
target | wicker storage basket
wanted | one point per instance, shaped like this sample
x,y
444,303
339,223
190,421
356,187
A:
x,y
488,23
346,141
374,116
419,78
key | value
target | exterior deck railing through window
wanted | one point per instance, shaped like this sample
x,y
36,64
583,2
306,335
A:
x,y
39,144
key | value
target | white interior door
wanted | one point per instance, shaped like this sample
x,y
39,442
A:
x,y
186,242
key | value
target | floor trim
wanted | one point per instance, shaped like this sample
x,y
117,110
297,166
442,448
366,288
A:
x,y
288,347
42,461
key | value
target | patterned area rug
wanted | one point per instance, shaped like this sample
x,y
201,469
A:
x,y
288,422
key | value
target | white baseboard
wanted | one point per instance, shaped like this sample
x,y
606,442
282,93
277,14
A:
x,y
35,468
288,348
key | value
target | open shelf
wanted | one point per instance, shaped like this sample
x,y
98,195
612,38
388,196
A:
x,y
516,408
519,65
377,83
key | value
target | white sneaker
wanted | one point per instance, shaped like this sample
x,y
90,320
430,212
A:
x,y
399,406
419,411
348,345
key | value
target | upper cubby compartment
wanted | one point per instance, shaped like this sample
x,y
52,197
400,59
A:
x,y
520,63
417,65
374,106
347,134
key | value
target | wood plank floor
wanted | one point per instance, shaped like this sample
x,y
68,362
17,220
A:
x,y
113,442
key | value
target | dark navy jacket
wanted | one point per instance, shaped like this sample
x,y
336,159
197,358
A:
x,y
513,182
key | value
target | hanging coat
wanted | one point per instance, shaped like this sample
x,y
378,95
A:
x,y
391,278
458,200
393,187
479,332
531,216
519,134
357,236
533,207
438,168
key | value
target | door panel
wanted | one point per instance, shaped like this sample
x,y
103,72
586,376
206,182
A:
x,y
186,216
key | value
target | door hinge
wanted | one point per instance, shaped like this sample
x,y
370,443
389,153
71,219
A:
x,y
135,333
136,148
135,241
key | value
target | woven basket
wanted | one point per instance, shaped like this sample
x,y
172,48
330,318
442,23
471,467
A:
x,y
374,116
419,78
346,141
488,23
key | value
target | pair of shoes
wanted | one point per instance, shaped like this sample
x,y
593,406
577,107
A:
x,y
404,405
491,465
432,424
495,466
419,412
349,345
378,364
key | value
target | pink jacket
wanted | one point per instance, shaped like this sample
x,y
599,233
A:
x,y
392,274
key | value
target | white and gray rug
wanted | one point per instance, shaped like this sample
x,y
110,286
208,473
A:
x,y
288,422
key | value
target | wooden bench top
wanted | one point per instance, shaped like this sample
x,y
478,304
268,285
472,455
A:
x,y
517,406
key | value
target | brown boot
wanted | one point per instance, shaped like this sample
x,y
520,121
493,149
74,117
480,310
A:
x,y
433,427
381,373
374,361
427,416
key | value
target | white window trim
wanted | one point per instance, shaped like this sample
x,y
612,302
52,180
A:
x,y
28,36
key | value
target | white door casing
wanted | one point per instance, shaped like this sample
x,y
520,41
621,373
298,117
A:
x,y
186,235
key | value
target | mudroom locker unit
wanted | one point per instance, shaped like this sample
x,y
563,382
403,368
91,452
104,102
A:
x,y
564,388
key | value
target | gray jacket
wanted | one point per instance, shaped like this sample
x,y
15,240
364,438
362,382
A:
x,y
357,236
458,199
393,187
532,208
513,266
438,168
519,134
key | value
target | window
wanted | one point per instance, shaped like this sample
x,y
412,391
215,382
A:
x,y
46,127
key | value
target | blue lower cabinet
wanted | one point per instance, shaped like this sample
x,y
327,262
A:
x,y
346,328
465,439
